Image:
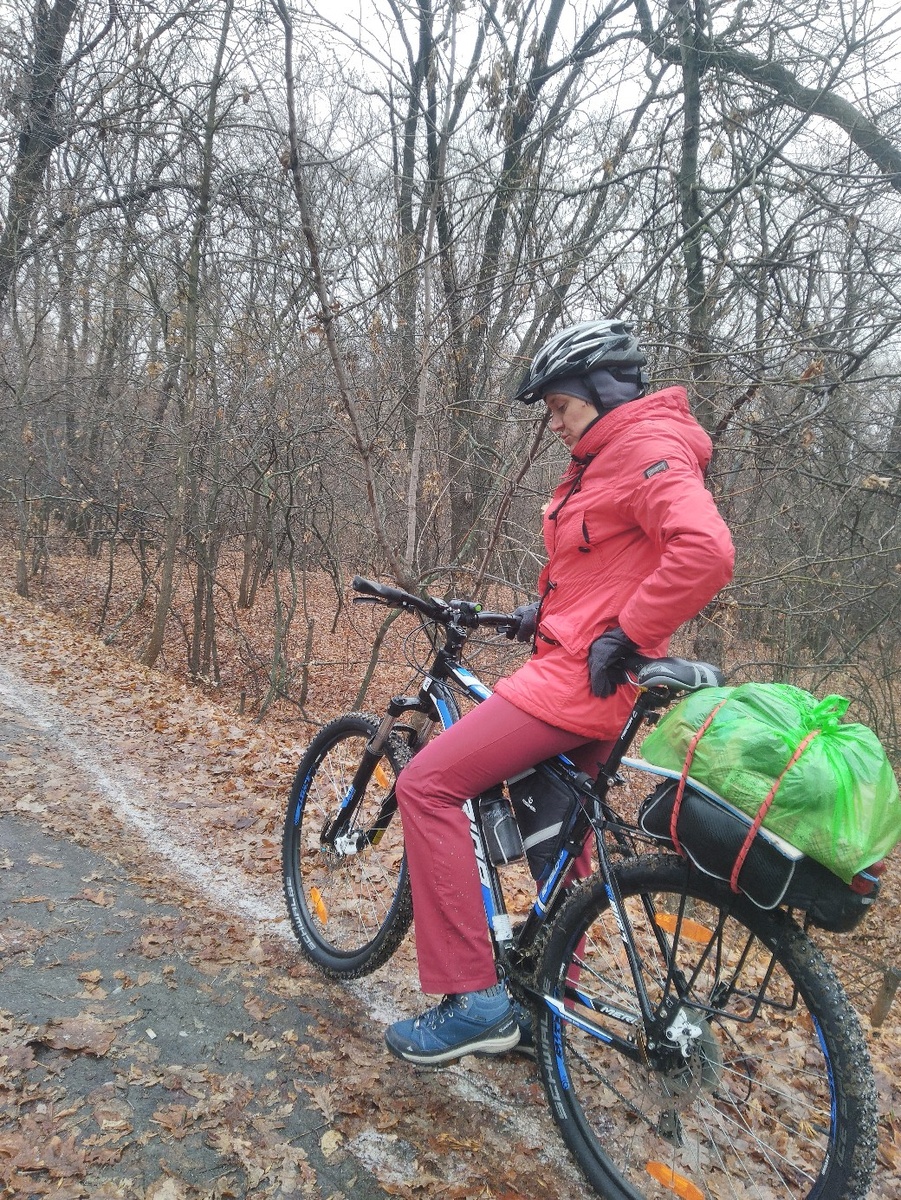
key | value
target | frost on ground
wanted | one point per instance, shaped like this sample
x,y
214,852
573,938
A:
x,y
188,799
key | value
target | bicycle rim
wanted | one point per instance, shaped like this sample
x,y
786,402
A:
x,y
739,1106
350,908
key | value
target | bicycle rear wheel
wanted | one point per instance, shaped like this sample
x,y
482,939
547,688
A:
x,y
756,1084
349,902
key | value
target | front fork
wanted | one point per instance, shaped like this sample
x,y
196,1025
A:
x,y
336,834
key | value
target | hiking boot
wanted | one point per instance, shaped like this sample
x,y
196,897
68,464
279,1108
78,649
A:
x,y
472,1023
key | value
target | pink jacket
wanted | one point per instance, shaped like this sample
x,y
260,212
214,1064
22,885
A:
x,y
633,539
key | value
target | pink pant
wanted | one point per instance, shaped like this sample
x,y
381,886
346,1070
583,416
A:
x,y
493,742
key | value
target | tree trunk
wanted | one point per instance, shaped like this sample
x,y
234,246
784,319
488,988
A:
x,y
39,135
175,523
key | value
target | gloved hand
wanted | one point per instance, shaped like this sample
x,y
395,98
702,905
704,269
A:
x,y
606,661
527,617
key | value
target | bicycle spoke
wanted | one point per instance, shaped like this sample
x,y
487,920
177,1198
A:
x,y
348,896
731,1098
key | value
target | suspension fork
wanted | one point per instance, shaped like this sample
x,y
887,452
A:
x,y
372,754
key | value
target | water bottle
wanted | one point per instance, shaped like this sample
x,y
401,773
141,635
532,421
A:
x,y
502,837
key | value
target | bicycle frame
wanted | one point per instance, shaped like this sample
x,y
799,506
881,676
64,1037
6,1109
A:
x,y
436,701
514,950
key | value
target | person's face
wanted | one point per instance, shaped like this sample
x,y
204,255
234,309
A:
x,y
570,416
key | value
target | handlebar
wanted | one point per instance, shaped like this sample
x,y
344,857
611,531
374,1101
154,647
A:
x,y
660,678
446,612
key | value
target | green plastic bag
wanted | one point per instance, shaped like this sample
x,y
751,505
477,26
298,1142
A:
x,y
838,802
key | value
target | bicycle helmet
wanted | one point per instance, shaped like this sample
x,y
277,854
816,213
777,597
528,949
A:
x,y
580,349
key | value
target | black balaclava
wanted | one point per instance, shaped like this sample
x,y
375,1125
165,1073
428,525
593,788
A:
x,y
602,388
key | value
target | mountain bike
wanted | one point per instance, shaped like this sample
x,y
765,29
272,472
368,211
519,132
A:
x,y
690,1042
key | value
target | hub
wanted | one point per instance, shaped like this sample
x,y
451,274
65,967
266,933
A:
x,y
687,1060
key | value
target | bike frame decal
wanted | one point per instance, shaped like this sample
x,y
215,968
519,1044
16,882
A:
x,y
482,865
443,712
556,1006
540,905
608,1010
442,708
473,685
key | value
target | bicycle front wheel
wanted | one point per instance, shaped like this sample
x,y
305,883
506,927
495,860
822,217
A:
x,y
752,1081
348,898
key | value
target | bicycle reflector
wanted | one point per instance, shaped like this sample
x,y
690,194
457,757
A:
x,y
380,775
318,905
692,931
677,1184
866,882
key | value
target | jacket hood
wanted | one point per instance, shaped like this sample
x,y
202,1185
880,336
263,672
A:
x,y
638,418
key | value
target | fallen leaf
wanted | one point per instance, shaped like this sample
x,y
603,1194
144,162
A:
x,y
113,1115
259,1010
330,1142
17,1058
81,1033
174,1118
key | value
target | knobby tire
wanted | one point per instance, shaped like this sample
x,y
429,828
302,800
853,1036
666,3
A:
x,y
781,1104
349,912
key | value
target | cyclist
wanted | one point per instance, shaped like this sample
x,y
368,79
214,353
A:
x,y
635,548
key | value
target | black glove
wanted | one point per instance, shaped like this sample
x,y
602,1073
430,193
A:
x,y
526,618
606,661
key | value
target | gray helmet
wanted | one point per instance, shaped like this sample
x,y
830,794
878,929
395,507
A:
x,y
579,350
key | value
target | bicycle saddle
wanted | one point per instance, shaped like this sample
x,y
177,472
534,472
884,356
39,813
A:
x,y
675,674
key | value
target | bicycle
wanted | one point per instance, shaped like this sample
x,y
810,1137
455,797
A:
x,y
689,1042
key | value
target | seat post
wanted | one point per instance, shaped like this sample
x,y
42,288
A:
x,y
645,703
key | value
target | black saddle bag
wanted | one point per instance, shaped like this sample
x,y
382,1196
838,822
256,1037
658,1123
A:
x,y
712,833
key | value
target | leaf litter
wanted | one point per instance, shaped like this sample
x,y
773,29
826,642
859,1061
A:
x,y
214,779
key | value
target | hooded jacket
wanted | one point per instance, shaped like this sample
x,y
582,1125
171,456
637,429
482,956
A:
x,y
633,539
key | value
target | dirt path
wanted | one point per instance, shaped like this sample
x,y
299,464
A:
x,y
142,917
157,1026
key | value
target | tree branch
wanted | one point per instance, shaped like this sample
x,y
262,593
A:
x,y
862,131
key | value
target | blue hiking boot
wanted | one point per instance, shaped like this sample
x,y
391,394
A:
x,y
472,1023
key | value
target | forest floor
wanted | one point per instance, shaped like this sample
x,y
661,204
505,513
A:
x,y
182,796
182,1049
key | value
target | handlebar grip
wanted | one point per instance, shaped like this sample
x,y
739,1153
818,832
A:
x,y
496,620
394,596
381,591
366,586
